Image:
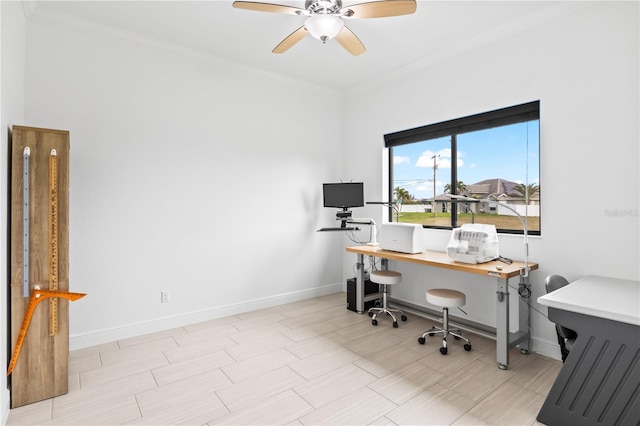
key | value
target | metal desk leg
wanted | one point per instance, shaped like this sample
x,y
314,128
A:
x,y
505,340
502,324
360,284
524,312
361,297
384,264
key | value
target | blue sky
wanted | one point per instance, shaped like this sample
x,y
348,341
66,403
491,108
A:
x,y
507,152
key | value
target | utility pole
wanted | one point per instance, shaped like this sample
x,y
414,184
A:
x,y
435,167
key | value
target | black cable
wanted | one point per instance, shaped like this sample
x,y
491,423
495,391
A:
x,y
524,290
528,291
352,237
372,266
373,263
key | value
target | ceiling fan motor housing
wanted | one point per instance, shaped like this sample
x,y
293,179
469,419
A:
x,y
324,19
323,6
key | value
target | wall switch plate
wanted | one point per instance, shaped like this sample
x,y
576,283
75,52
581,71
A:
x,y
164,296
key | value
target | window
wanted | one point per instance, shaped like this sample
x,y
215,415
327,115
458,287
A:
x,y
492,157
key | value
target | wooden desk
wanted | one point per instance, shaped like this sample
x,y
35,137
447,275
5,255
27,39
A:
x,y
600,379
500,270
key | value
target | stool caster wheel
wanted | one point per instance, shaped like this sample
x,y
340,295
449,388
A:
x,y
404,318
467,347
432,334
374,322
456,337
443,351
421,340
395,324
370,314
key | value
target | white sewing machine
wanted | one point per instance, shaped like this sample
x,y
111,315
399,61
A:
x,y
473,243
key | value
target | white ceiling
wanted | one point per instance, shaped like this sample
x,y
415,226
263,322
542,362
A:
x,y
438,29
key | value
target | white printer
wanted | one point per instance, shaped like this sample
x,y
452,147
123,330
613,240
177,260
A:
x,y
402,237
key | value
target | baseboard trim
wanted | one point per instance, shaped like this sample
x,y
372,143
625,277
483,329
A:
x,y
84,340
5,397
436,315
545,348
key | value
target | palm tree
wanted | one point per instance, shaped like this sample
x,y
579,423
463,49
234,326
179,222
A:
x,y
526,192
402,194
460,188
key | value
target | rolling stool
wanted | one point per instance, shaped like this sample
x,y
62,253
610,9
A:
x,y
445,298
384,279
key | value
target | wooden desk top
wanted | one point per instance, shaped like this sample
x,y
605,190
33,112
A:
x,y
441,260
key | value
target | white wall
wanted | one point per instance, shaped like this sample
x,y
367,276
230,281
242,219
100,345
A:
x,y
12,46
582,64
165,145
163,142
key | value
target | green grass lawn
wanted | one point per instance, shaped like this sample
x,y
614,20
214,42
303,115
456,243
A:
x,y
444,219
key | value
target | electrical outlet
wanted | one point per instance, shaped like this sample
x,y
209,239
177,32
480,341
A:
x,y
164,296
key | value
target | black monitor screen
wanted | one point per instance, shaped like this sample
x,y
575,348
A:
x,y
343,195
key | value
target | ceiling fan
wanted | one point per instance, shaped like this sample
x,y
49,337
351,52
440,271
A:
x,y
325,19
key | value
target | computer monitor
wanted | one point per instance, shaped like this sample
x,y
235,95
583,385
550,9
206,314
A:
x,y
343,195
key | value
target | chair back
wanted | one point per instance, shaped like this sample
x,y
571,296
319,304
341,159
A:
x,y
553,283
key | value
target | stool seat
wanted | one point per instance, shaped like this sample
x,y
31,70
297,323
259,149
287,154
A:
x,y
386,277
445,297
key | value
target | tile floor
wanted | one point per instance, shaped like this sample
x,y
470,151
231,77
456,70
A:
x,y
306,363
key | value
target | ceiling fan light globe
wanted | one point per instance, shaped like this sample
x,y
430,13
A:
x,y
324,27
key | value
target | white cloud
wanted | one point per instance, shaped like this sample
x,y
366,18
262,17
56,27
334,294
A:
x,y
444,163
443,159
398,159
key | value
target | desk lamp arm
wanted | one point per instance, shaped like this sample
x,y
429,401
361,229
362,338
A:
x,y
391,204
466,206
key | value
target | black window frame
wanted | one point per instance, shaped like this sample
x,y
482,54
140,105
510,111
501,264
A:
x,y
500,117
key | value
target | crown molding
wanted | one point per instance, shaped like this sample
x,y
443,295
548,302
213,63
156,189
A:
x,y
555,10
61,20
29,7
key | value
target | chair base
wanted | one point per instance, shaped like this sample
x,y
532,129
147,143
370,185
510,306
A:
x,y
374,312
445,330
444,349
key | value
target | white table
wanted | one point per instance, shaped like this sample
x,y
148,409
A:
x,y
599,383
602,297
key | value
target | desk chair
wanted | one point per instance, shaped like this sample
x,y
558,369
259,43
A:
x,y
446,298
566,336
385,279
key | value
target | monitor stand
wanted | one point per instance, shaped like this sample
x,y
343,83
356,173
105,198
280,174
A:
x,y
344,216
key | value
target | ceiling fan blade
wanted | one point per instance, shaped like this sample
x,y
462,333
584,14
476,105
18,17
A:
x,y
291,39
379,9
268,7
350,42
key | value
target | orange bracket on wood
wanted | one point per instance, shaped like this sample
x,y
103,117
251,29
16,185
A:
x,y
36,297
